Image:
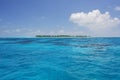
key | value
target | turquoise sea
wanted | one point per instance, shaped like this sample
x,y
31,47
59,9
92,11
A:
x,y
59,58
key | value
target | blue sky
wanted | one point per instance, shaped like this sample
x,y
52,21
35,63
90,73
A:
x,y
31,17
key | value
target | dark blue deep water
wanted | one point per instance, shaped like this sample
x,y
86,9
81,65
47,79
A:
x,y
59,58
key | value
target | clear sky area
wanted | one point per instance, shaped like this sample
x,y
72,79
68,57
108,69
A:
x,y
27,18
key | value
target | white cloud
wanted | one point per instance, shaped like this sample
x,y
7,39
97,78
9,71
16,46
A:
x,y
17,30
95,21
61,31
12,31
6,31
117,8
21,31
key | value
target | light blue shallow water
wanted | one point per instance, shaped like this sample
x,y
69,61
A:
x,y
60,59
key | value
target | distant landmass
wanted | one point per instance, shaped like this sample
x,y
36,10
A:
x,y
62,36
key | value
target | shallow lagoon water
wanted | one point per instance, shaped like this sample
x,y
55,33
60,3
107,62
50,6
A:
x,y
59,58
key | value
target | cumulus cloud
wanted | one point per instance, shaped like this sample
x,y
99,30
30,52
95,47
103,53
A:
x,y
95,20
117,8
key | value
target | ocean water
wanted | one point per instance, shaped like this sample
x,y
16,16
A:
x,y
59,58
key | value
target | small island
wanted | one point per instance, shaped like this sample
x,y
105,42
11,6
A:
x,y
62,36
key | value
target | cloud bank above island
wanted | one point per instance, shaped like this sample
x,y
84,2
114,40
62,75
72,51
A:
x,y
95,21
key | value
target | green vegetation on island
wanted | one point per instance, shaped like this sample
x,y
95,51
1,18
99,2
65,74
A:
x,y
62,36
